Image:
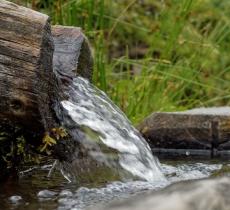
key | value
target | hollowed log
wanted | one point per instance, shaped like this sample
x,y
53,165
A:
x,y
36,67
72,54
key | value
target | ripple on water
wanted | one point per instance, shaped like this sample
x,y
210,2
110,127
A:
x,y
85,197
66,196
189,171
15,199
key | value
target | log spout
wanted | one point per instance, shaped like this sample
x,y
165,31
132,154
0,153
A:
x,y
37,63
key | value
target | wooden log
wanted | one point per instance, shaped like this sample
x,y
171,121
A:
x,y
30,88
72,54
72,57
26,75
198,129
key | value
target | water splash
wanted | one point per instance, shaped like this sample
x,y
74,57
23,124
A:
x,y
105,133
56,193
85,197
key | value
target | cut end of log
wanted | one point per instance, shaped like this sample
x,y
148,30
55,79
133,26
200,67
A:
x,y
26,52
72,53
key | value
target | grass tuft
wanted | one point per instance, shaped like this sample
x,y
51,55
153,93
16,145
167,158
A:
x,y
160,55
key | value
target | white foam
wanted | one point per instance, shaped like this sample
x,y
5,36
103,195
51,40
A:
x,y
90,108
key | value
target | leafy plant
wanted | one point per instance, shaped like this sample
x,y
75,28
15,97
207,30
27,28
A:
x,y
51,138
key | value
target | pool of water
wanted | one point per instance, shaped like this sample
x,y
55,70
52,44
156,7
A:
x,y
105,147
35,190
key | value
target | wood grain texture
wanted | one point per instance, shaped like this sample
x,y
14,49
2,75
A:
x,y
72,53
26,75
186,131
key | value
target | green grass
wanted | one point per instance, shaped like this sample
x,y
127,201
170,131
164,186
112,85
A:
x,y
153,55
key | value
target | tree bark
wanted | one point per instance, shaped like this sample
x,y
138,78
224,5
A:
x,y
27,64
26,76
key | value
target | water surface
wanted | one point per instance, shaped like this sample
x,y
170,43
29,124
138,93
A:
x,y
34,190
111,160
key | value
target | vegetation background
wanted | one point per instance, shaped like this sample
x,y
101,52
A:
x,y
153,55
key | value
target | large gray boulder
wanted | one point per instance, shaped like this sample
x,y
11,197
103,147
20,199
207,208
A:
x,y
209,194
203,131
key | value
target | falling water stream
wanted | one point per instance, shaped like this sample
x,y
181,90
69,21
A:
x,y
108,136
109,149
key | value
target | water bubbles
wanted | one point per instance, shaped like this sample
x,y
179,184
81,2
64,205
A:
x,y
15,199
187,153
46,194
65,193
72,197
189,171
85,197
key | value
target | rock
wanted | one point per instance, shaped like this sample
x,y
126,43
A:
x,y
208,194
203,131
